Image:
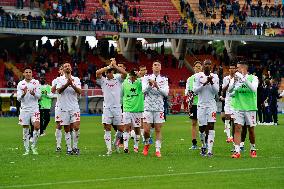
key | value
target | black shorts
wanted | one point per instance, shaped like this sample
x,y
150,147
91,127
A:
x,y
193,112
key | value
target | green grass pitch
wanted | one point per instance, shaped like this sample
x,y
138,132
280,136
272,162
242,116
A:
x,y
179,167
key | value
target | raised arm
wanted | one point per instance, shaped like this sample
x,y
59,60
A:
x,y
119,69
197,87
76,85
36,91
145,85
252,85
99,72
164,90
20,93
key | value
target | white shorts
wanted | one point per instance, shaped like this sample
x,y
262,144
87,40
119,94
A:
x,y
68,117
132,118
112,116
57,112
248,117
206,115
153,117
25,118
228,109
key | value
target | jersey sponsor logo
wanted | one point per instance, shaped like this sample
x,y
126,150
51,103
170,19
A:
x,y
111,85
133,90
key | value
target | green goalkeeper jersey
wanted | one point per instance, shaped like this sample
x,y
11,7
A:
x,y
133,98
189,85
244,98
45,100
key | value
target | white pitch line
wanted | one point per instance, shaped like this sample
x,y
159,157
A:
x,y
137,177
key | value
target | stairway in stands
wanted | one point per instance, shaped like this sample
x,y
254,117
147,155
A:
x,y
156,9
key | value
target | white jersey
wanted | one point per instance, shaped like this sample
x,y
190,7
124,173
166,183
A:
x,y
29,102
112,89
154,98
226,82
68,99
206,94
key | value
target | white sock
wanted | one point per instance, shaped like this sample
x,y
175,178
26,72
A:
x,y
202,138
125,139
35,137
252,147
136,141
158,145
107,138
237,148
68,141
210,142
76,135
26,136
227,128
242,144
58,136
152,131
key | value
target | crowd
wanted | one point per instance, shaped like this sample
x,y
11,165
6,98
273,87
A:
x,y
228,8
57,21
120,9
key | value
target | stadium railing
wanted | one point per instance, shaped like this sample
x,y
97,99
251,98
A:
x,y
114,27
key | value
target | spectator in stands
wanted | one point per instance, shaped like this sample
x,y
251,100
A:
x,y
205,29
253,10
20,4
32,4
200,28
182,5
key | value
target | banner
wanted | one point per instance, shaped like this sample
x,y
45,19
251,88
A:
x,y
106,35
277,32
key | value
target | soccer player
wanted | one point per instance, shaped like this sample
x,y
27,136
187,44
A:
x,y
69,88
28,93
244,87
112,114
206,85
58,133
133,106
155,88
228,108
193,100
44,105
